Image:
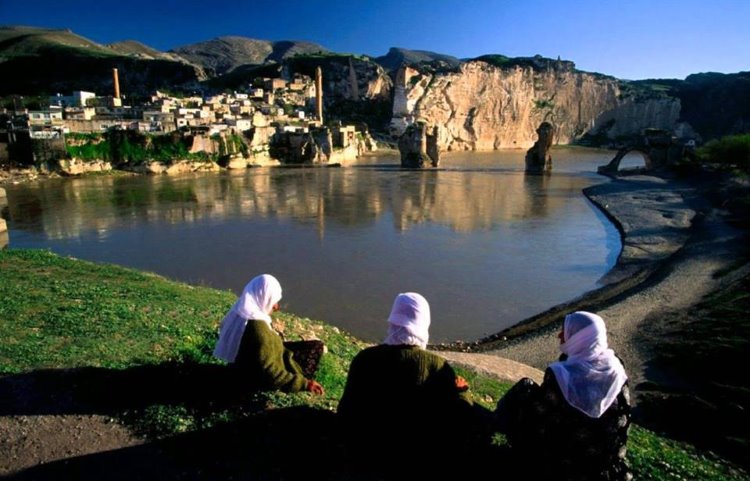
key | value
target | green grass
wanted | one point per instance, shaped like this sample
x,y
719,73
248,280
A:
x,y
62,313
654,457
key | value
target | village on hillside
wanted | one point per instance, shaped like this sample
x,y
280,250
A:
x,y
271,121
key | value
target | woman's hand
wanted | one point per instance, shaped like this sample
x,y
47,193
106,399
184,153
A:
x,y
315,387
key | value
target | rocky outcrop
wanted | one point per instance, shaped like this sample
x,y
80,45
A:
x,y
484,107
78,167
175,168
236,162
538,158
632,117
418,147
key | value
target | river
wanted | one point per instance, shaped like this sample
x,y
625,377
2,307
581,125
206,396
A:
x,y
486,244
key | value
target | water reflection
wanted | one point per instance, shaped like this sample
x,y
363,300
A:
x,y
344,241
464,201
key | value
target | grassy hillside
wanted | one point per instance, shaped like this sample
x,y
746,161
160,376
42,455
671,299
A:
x,y
135,346
33,41
37,61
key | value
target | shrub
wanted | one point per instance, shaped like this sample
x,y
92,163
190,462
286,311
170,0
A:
x,y
730,150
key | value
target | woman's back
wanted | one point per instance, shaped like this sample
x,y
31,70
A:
x,y
564,441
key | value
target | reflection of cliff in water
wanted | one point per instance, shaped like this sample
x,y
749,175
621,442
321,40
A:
x,y
464,201
469,201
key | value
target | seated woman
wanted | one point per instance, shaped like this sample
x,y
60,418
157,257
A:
x,y
575,425
256,352
399,387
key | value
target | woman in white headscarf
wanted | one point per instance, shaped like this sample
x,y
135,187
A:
x,y
399,386
575,425
248,342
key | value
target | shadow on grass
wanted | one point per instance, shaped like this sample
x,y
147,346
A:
x,y
284,443
291,443
92,390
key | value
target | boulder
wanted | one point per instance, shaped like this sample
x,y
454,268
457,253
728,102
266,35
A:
x,y
237,162
77,166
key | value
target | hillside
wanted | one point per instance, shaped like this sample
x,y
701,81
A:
x,y
137,49
36,61
21,41
224,54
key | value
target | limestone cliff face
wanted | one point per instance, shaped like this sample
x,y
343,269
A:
x,y
484,107
634,116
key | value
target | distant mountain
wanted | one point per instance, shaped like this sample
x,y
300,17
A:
x,y
43,61
134,48
400,56
224,54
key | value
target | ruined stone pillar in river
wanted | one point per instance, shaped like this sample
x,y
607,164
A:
x,y
538,158
418,147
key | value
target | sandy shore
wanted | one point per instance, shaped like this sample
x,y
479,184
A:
x,y
674,245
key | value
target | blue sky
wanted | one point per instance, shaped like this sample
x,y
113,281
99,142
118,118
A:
x,y
628,39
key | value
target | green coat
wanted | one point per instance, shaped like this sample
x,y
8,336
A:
x,y
266,363
401,385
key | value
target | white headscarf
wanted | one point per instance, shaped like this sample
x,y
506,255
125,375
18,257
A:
x,y
255,302
409,322
592,376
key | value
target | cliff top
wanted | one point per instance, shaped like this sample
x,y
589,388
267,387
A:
x,y
400,56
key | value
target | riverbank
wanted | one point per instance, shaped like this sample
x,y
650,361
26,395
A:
x,y
684,260
108,375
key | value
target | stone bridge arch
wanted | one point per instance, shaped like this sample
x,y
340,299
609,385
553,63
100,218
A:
x,y
614,164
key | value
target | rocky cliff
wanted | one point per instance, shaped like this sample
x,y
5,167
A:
x,y
484,107
481,106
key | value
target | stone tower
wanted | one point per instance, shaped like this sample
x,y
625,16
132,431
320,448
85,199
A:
x,y
319,94
116,80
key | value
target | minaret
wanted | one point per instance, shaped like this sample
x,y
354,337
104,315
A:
x,y
116,82
319,94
